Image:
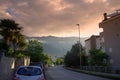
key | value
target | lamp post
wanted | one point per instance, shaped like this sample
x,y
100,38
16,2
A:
x,y
79,42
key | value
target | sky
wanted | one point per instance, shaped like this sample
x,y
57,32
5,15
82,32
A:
x,y
58,17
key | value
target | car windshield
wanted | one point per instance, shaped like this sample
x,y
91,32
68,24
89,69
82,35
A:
x,y
29,71
36,64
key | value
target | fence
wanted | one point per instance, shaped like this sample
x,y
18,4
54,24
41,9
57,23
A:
x,y
108,69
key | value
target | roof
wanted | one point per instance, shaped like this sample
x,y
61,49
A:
x,y
110,17
96,36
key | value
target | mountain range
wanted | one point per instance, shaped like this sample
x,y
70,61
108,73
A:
x,y
57,46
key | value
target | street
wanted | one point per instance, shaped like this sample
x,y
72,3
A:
x,y
59,73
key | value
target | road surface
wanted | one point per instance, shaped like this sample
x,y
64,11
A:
x,y
59,73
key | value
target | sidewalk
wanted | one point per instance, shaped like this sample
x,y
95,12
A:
x,y
48,77
107,75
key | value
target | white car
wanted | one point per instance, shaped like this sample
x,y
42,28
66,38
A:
x,y
29,73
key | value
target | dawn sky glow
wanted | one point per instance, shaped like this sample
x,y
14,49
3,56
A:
x,y
58,17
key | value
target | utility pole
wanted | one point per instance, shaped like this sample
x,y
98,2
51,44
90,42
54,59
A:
x,y
79,43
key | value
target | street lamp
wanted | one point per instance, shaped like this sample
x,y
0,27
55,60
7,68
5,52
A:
x,y
79,42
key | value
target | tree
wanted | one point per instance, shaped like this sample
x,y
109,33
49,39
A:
x,y
97,57
8,28
72,58
19,41
11,32
35,51
59,61
3,46
67,59
48,59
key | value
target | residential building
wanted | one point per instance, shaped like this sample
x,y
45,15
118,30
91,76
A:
x,y
100,42
91,43
87,46
111,37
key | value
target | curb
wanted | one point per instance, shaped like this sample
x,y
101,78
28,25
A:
x,y
106,75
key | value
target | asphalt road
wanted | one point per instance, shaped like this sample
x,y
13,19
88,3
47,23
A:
x,y
59,73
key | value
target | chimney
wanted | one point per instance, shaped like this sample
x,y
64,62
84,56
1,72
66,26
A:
x,y
105,16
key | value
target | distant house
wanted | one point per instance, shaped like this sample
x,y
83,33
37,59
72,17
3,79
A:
x,y
111,37
92,43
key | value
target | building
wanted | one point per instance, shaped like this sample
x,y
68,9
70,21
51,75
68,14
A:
x,y
92,43
111,37
100,42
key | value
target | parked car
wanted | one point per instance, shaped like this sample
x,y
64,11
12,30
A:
x,y
40,65
29,73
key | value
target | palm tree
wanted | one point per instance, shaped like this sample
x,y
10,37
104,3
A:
x,y
19,41
7,29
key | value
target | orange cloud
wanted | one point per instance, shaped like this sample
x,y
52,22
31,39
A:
x,y
59,5
58,17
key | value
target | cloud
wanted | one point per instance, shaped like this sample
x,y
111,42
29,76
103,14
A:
x,y
57,17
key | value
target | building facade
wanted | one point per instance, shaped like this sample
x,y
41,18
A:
x,y
92,43
111,37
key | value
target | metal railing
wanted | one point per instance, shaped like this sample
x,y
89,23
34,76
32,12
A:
x,y
106,69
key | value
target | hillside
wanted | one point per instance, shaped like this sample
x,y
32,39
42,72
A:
x,y
57,46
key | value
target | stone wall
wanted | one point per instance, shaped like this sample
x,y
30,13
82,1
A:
x,y
8,65
24,61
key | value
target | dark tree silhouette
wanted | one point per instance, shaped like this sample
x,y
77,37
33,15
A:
x,y
11,32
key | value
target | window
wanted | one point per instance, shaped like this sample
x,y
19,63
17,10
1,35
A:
x,y
29,71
